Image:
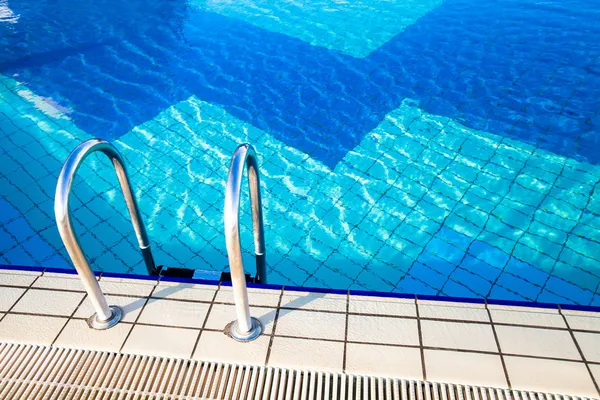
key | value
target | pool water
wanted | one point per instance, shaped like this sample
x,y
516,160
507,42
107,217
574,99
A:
x,y
431,147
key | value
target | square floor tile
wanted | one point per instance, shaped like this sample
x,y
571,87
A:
x,y
216,346
385,361
311,324
161,341
314,301
589,343
131,307
465,368
382,306
32,329
174,313
457,335
128,287
307,354
453,311
537,342
17,278
78,334
388,330
527,316
256,297
550,376
587,321
595,368
185,291
222,314
60,282
9,296
48,302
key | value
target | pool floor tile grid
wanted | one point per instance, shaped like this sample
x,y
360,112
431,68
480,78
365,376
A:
x,y
532,349
422,205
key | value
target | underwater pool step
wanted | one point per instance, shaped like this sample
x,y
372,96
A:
x,y
36,372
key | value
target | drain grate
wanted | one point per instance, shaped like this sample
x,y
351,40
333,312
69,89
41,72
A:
x,y
41,372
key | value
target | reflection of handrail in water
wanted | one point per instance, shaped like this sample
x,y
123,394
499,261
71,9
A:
x,y
245,328
105,316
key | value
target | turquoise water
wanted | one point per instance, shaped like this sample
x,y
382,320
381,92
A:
x,y
442,148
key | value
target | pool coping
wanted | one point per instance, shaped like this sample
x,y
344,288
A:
x,y
448,299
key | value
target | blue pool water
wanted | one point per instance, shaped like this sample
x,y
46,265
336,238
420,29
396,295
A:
x,y
433,147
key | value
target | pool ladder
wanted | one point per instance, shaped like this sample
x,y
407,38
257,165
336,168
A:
x,y
245,328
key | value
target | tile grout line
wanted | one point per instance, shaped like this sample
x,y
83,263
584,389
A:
x,y
210,306
587,366
268,356
21,296
70,318
344,355
138,317
152,297
421,348
504,368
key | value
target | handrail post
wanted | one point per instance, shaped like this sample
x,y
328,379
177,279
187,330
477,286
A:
x,y
245,328
105,316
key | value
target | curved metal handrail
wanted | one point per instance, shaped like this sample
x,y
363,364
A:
x,y
245,328
105,316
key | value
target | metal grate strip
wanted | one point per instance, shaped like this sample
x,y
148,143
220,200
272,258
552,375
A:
x,y
41,372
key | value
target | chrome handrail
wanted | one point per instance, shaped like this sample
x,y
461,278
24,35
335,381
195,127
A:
x,y
105,316
245,328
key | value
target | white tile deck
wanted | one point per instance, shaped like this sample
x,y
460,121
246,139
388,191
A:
x,y
549,375
307,354
386,361
453,311
32,329
48,302
18,278
131,306
9,297
382,306
385,330
581,320
215,346
447,342
59,281
77,334
458,335
314,301
465,368
527,316
537,342
589,344
162,341
311,324
222,314
184,291
174,313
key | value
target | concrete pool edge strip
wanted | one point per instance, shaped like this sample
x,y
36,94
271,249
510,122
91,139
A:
x,y
446,299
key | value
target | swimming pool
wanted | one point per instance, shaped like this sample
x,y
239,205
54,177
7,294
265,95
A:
x,y
433,147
